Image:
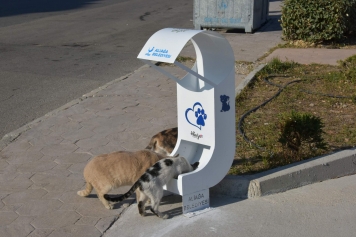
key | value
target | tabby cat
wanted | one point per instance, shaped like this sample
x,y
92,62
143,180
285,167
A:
x,y
150,185
164,141
108,171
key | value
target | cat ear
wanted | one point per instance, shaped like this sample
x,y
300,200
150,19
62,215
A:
x,y
195,165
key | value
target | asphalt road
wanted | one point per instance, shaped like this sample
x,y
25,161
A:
x,y
55,51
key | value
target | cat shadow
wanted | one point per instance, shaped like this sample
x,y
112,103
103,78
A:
x,y
92,196
170,201
125,203
118,205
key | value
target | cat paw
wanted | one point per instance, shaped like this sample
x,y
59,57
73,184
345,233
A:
x,y
109,206
125,205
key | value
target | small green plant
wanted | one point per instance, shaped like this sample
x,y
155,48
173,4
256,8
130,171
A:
x,y
349,68
301,133
318,20
277,66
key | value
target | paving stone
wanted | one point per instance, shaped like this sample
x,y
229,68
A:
x,y
69,207
3,164
40,233
14,147
88,220
7,218
93,207
8,174
72,197
37,147
111,112
19,228
64,185
106,129
134,145
83,117
36,166
109,148
78,175
96,104
75,109
105,222
59,149
66,127
22,157
163,121
52,175
73,136
39,207
137,109
120,119
53,195
146,129
11,208
47,140
77,168
20,182
37,131
92,142
73,158
77,231
24,196
124,136
84,150
56,219
52,121
44,178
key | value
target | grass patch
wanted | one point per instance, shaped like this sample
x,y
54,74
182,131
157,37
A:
x,y
313,114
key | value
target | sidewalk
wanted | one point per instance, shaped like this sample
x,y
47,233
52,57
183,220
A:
x,y
41,166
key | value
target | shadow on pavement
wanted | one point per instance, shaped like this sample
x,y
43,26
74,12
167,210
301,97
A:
x,y
18,7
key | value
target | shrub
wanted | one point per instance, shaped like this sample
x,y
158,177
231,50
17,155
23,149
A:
x,y
318,20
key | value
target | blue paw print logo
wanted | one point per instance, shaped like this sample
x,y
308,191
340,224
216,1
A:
x,y
196,115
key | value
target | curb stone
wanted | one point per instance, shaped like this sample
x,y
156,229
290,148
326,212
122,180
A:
x,y
248,79
292,176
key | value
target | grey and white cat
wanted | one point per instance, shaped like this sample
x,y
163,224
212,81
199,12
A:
x,y
150,184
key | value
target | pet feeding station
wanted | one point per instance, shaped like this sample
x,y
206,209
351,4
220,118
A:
x,y
205,109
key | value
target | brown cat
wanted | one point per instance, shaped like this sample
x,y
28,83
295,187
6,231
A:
x,y
108,171
164,142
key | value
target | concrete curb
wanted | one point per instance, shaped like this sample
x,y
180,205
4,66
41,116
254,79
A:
x,y
287,177
281,179
248,79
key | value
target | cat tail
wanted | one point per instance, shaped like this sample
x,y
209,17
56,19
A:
x,y
125,196
85,192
